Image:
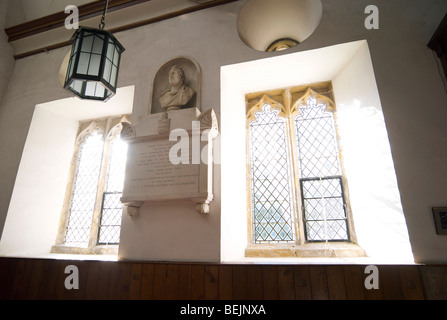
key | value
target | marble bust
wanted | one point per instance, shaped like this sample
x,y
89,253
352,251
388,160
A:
x,y
179,94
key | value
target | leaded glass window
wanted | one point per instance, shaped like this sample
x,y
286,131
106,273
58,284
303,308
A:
x,y
110,226
94,207
296,181
271,178
320,175
85,190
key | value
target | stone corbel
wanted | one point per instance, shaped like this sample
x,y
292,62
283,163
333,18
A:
x,y
132,208
203,205
128,131
208,120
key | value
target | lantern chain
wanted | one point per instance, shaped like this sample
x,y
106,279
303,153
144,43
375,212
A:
x,y
103,18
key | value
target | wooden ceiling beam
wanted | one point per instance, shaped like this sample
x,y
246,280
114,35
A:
x,y
89,10
56,20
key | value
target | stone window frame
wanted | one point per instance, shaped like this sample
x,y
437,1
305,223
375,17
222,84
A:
x,y
110,127
288,101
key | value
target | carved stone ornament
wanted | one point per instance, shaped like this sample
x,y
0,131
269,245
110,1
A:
x,y
208,120
127,131
164,123
92,127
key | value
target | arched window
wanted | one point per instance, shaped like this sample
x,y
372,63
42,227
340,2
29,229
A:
x,y
321,188
92,214
111,209
271,178
85,188
296,185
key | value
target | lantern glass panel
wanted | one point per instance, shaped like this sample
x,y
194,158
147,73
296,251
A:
x,y
76,86
75,46
107,70
84,60
110,50
116,57
98,43
87,42
100,90
95,61
90,88
113,76
70,67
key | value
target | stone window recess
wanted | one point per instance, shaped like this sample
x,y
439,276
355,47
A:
x,y
91,216
298,197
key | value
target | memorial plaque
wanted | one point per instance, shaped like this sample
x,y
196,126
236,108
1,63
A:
x,y
153,173
158,169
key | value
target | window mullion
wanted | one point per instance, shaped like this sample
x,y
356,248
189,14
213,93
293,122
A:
x,y
294,167
102,183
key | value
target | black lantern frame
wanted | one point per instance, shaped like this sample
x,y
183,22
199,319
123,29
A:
x,y
94,64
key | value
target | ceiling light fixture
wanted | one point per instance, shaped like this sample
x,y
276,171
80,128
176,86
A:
x,y
94,62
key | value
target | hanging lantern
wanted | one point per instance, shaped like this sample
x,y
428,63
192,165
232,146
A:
x,y
94,63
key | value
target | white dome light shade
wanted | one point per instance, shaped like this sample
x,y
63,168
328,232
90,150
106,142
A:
x,y
264,22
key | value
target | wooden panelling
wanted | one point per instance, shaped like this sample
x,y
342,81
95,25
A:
x,y
44,279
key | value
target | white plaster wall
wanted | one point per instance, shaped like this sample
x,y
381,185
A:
x,y
411,91
36,203
374,197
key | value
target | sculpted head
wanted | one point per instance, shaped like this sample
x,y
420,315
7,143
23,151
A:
x,y
176,76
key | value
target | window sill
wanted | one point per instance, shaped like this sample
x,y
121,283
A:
x,y
96,250
308,250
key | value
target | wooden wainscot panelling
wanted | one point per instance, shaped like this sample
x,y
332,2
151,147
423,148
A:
x,y
47,279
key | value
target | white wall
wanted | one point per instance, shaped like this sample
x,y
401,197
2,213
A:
x,y
411,91
36,204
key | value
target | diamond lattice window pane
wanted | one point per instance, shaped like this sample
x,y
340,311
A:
x,y
84,192
321,186
324,209
111,212
109,232
318,231
271,178
317,145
